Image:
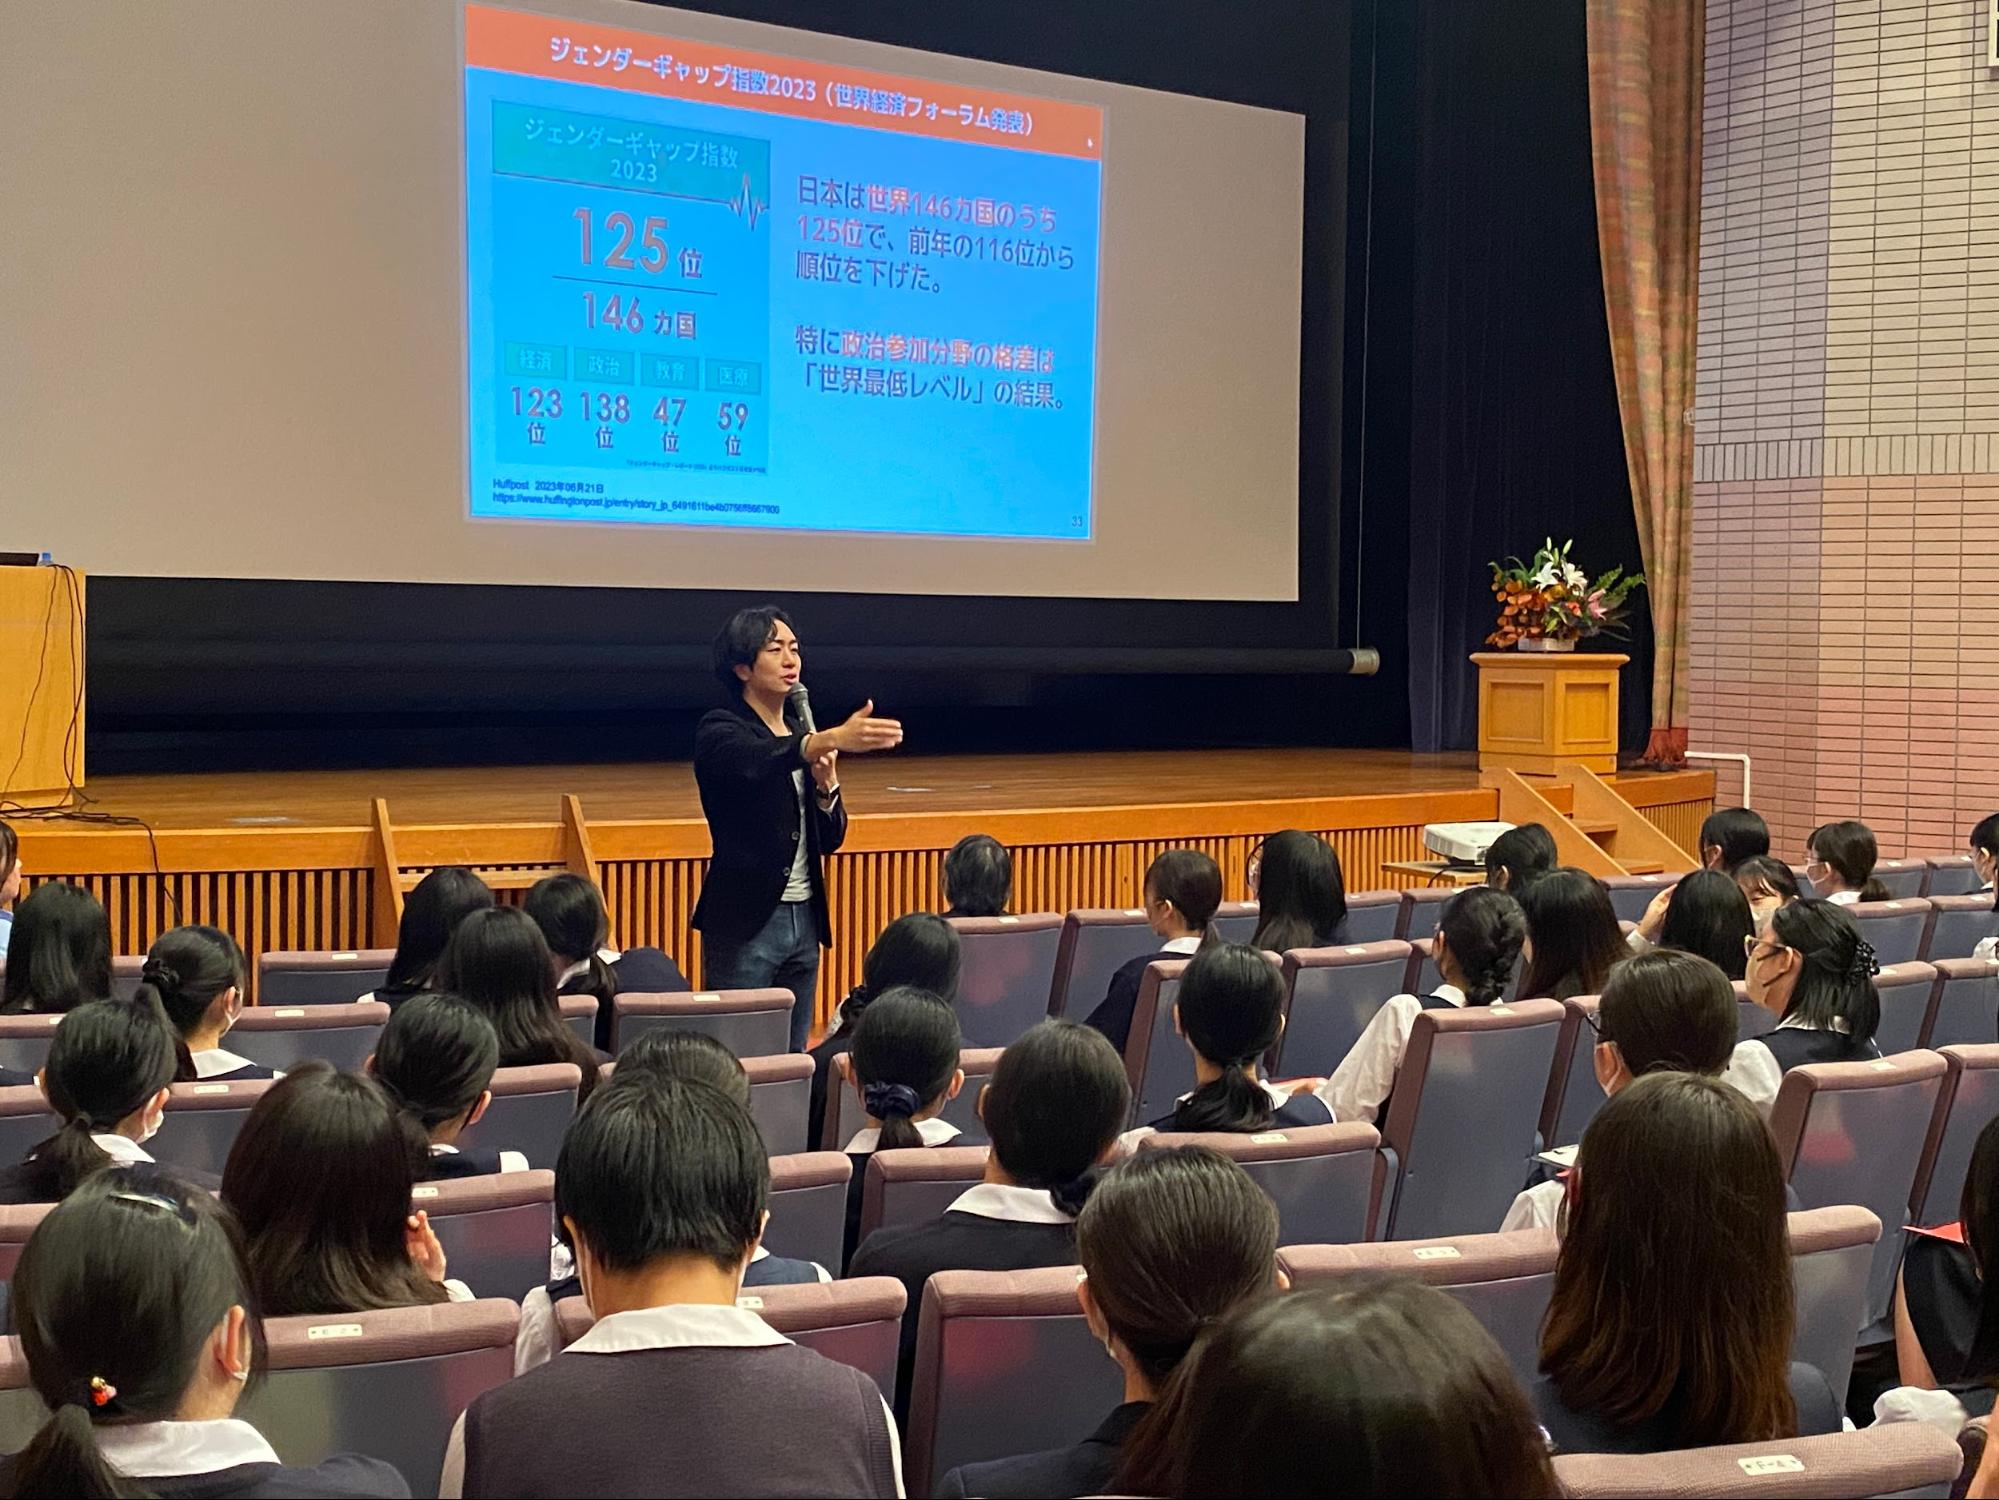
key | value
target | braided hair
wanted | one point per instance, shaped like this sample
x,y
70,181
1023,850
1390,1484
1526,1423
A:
x,y
1483,928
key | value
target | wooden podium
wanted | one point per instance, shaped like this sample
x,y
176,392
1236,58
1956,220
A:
x,y
41,684
1537,709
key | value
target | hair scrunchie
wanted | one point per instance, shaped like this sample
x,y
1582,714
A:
x,y
160,976
887,1100
1866,964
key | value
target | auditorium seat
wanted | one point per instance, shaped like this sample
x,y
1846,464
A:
x,y
579,1014
750,1023
1504,1280
1420,975
1005,1364
25,1122
1958,924
1904,878
780,1097
1420,910
1006,969
1751,1020
1321,1177
843,1106
916,1185
1950,875
1157,1063
1331,995
125,976
857,1322
1894,928
298,978
808,1206
495,1230
1969,1100
24,1040
1630,895
1462,1126
1854,1133
1908,994
1373,916
390,1384
1096,942
1574,1096
17,1222
1235,921
1902,1459
1832,1254
531,1109
201,1122
283,1036
1966,1009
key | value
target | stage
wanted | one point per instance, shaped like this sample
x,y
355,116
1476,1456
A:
x,y
309,859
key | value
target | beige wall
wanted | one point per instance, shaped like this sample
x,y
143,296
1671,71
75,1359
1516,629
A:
x,y
1846,589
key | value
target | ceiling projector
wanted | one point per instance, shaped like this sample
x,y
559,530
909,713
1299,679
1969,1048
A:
x,y
1462,843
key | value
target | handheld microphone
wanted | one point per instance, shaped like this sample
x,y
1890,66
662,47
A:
x,y
801,702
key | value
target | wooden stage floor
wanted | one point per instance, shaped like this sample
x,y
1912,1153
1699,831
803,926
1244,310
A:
x,y
875,785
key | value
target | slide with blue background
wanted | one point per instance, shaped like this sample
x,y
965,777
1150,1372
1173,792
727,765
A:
x,y
714,288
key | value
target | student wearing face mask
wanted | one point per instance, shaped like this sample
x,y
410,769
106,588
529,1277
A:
x,y
1984,847
1811,968
106,1079
1769,884
196,975
1661,1012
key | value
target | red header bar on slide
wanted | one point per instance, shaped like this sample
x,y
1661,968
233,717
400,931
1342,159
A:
x,y
512,41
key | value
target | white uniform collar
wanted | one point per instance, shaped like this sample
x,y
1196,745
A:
x,y
163,1450
1844,898
1449,992
683,1325
1181,945
212,1060
127,1152
1278,1097
1013,1204
1799,1023
937,1131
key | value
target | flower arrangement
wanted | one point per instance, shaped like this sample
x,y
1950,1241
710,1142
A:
x,y
1552,603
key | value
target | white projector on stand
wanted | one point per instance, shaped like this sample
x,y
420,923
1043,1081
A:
x,y
1462,843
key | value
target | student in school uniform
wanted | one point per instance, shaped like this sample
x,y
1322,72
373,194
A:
x,y
139,1323
106,1078
1705,913
1573,936
1183,890
653,1058
498,961
1519,857
1661,1012
196,974
1057,1100
1947,1293
436,1059
905,1067
1478,942
1811,968
59,954
10,884
919,950
1230,1011
662,1191
1983,845
1730,835
1672,1314
977,877
1300,892
431,913
320,1179
1170,1242
570,912
1767,883
1385,1388
1839,862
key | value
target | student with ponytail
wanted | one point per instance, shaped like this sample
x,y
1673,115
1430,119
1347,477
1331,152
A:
x,y
1811,968
1183,890
1054,1108
920,950
1477,944
1171,1242
196,975
905,1066
569,910
1231,1011
142,1334
106,1078
1839,862
436,1059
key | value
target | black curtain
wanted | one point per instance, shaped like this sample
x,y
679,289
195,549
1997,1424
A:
x,y
1512,411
